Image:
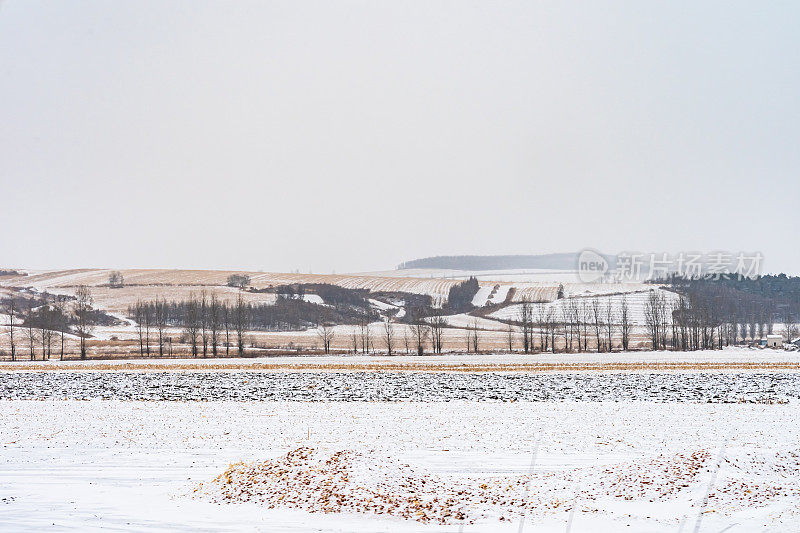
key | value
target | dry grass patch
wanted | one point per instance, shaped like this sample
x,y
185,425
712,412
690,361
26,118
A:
x,y
388,366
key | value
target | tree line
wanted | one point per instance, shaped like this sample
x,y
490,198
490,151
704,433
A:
x,y
579,324
208,324
697,316
40,323
725,310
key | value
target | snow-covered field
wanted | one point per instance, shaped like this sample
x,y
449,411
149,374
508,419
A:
x,y
491,294
624,466
150,284
174,284
636,301
277,444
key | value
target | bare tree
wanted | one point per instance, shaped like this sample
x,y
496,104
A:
x,y
596,321
674,309
526,323
655,319
575,319
82,310
437,325
11,311
138,316
419,329
242,320
475,338
566,319
204,322
363,327
213,322
354,339
406,340
625,323
583,324
788,324
226,321
388,335
31,332
542,324
651,319
192,323
45,315
325,333
147,316
161,323
510,338
609,321
61,317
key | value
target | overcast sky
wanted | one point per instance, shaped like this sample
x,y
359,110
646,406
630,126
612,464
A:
x,y
351,136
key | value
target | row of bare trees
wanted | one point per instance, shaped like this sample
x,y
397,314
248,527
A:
x,y
211,326
718,311
579,323
417,336
696,321
46,322
671,322
208,324
681,322
362,340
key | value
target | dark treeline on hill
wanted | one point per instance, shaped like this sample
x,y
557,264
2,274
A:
x,y
358,299
564,261
293,313
330,294
778,293
407,299
729,309
460,297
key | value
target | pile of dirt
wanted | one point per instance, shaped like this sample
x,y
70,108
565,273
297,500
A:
x,y
342,481
367,482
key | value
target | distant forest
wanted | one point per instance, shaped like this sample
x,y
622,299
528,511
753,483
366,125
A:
x,y
460,297
776,295
567,261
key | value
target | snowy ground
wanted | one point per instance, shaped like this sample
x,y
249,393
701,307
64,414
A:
x,y
492,294
622,466
602,459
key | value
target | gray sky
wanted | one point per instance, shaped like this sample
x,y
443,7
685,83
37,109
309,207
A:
x,y
354,135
